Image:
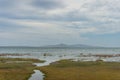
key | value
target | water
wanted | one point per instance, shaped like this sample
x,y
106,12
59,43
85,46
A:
x,y
35,51
54,54
37,75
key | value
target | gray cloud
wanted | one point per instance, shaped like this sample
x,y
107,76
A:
x,y
6,3
61,20
47,4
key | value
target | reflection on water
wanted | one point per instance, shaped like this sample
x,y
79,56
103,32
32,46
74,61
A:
x,y
37,75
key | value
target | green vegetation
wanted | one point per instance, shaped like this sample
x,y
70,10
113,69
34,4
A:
x,y
16,68
21,69
71,70
20,60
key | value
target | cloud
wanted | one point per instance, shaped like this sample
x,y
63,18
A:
x,y
58,20
6,3
47,4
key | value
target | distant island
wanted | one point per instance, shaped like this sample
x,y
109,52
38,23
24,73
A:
x,y
61,45
71,46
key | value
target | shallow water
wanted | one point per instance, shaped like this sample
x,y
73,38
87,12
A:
x,y
35,51
37,75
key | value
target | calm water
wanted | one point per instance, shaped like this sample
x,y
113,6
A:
x,y
56,51
37,75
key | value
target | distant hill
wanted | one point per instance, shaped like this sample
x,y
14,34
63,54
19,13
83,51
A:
x,y
66,45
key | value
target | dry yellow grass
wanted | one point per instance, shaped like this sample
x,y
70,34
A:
x,y
70,70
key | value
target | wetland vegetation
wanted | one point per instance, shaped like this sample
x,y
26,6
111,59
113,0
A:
x,y
16,68
73,70
21,69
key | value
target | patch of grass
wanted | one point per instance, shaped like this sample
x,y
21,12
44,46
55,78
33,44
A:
x,y
21,59
71,70
15,70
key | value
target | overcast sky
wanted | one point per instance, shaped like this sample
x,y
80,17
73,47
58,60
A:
x,y
45,22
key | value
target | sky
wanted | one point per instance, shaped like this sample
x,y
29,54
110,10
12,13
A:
x,y
45,22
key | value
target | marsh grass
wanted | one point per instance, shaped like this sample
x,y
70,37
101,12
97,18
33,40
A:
x,y
71,70
21,59
15,70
